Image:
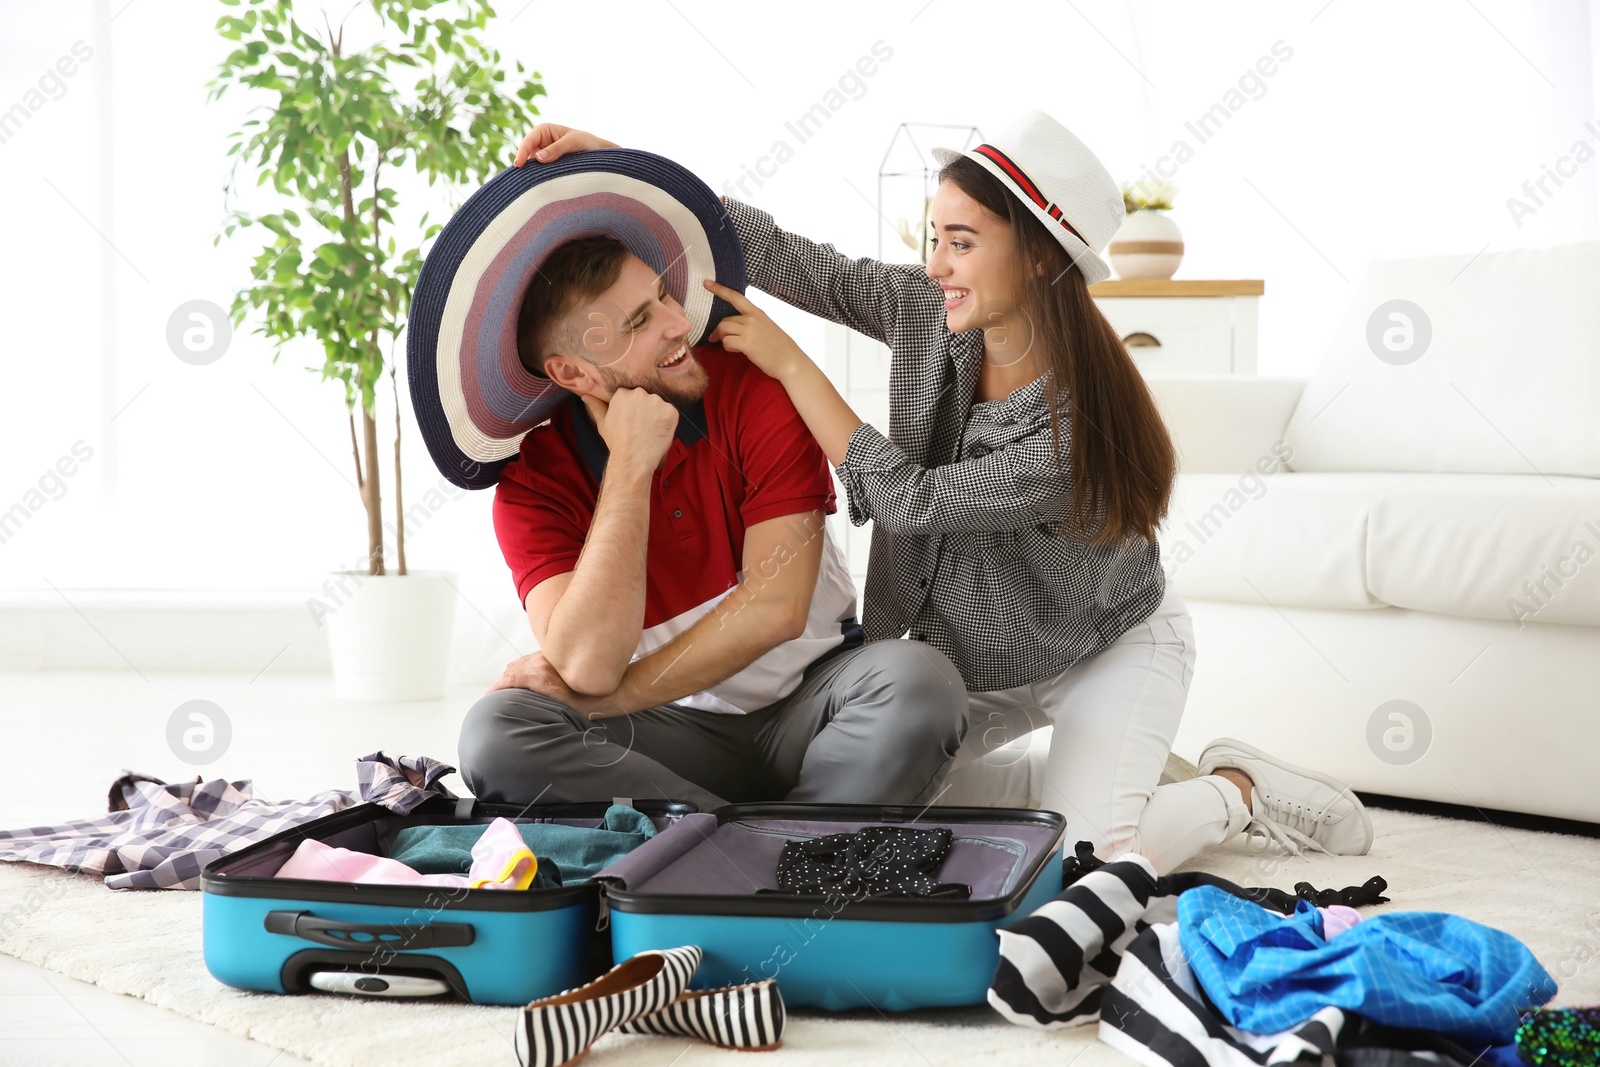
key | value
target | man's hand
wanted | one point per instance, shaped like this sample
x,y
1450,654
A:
x,y
534,672
549,142
635,424
754,335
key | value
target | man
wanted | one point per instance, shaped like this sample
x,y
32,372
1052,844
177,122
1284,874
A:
x,y
696,623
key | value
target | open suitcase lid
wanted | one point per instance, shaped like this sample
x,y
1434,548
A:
x,y
713,864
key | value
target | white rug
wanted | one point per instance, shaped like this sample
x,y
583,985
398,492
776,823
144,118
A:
x,y
1542,888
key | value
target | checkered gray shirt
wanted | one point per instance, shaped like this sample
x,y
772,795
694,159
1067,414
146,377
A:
x,y
964,550
160,836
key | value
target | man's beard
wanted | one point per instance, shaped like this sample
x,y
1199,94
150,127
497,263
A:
x,y
690,388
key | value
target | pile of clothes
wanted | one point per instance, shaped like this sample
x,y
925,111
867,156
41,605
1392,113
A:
x,y
500,855
1192,969
160,836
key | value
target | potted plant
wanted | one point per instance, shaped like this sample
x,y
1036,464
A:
x,y
337,266
1148,244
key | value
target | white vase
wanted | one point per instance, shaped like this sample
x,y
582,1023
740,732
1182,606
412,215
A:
x,y
389,635
1147,245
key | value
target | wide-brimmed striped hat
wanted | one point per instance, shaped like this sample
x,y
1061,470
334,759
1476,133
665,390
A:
x,y
1064,184
473,398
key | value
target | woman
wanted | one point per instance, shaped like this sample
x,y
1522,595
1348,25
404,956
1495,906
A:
x,y
1017,496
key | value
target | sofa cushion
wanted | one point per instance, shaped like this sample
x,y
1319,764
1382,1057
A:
x,y
1461,363
1489,547
1285,538
1483,546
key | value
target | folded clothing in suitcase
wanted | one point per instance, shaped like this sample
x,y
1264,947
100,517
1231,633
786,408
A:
x,y
708,881
487,946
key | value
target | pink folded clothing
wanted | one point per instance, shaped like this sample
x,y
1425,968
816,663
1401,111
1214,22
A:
x,y
500,860
1337,918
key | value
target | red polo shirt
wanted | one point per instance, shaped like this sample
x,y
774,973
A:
x,y
741,456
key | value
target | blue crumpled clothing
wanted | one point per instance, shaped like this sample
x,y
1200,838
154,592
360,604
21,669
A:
x,y
1424,970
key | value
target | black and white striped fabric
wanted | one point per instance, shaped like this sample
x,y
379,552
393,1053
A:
x,y
748,1017
1156,1012
561,1028
1013,602
1106,950
1056,964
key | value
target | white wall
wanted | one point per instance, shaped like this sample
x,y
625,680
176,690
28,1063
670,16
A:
x,y
1390,130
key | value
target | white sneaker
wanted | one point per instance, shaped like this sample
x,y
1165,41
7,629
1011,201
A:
x,y
1293,806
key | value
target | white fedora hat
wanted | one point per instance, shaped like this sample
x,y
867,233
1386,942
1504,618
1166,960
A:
x,y
1064,184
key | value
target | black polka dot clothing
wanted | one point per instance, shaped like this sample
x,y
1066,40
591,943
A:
x,y
875,861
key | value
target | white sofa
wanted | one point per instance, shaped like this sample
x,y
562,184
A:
x,y
1394,566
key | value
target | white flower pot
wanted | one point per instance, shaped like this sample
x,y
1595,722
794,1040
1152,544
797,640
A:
x,y
1147,245
389,635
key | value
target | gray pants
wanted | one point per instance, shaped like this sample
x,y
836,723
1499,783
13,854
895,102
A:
x,y
876,725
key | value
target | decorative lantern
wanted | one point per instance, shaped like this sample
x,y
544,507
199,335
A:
x,y
907,180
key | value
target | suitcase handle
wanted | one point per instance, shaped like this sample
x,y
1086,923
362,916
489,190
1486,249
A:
x,y
303,924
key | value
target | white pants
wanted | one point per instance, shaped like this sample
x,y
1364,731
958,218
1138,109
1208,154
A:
x,y
1113,717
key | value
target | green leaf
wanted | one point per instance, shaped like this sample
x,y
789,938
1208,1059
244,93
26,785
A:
x,y
317,275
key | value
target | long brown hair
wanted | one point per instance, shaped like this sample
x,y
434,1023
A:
x,y
1122,458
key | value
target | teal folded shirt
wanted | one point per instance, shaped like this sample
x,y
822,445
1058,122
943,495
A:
x,y
576,852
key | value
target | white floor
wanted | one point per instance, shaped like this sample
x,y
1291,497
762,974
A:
x,y
47,1020
70,735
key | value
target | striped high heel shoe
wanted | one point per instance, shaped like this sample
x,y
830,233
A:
x,y
560,1029
749,1017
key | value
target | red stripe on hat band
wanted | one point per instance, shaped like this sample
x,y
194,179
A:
x,y
1024,183
1001,160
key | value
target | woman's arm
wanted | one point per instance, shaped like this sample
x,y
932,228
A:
x,y
864,294
754,335
1012,487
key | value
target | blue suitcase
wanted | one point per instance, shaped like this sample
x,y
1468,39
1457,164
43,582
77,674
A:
x,y
488,946
696,884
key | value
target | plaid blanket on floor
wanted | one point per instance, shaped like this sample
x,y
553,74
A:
x,y
159,836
